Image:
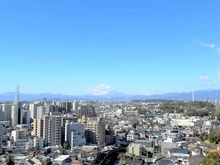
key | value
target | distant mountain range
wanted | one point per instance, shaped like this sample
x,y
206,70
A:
x,y
211,94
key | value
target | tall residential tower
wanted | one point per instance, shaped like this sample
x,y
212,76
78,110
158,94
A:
x,y
16,111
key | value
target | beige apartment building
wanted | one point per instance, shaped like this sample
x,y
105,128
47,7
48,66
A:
x,y
37,128
95,131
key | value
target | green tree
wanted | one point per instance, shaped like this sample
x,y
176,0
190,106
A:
x,y
214,136
169,110
201,138
192,112
212,158
132,156
179,110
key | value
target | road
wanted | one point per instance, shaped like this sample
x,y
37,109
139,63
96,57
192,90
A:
x,y
104,157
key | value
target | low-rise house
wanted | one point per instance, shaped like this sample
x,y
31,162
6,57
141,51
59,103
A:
x,y
21,160
179,154
167,144
189,145
195,159
196,151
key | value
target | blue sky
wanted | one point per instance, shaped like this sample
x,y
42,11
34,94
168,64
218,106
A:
x,y
135,47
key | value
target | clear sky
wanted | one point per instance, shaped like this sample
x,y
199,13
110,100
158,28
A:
x,y
90,46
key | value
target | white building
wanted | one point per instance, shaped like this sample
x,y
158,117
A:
x,y
18,135
38,143
75,105
211,123
62,160
33,110
119,112
14,114
20,160
74,134
132,136
22,145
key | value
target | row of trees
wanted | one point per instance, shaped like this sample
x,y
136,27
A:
x,y
194,112
190,112
189,105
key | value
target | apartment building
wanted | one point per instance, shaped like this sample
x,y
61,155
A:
x,y
52,128
37,128
74,134
95,131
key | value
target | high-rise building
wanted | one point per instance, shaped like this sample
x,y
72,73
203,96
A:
x,y
82,112
26,117
40,111
52,128
74,134
75,105
33,110
51,108
6,108
85,110
68,106
1,135
16,111
38,127
66,118
95,131
14,114
65,106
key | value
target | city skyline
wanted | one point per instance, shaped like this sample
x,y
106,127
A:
x,y
77,48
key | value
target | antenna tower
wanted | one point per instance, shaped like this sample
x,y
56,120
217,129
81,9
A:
x,y
17,94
